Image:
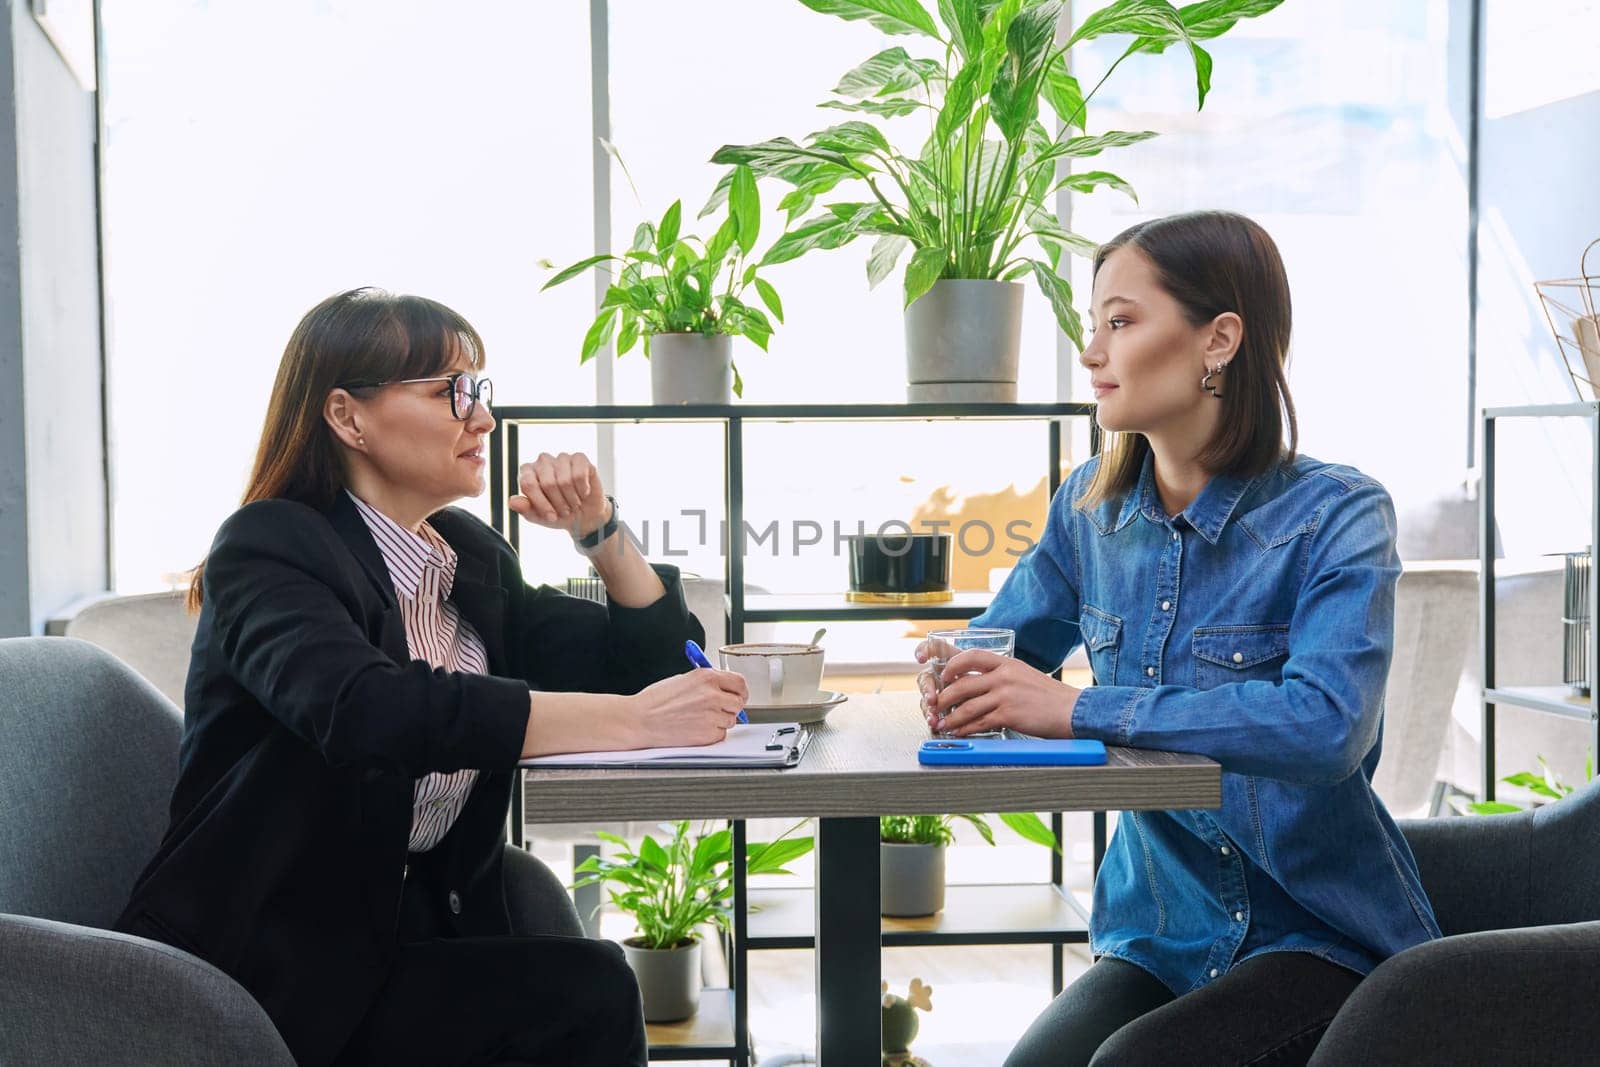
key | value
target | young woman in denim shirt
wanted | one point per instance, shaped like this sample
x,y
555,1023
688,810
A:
x,y
1237,602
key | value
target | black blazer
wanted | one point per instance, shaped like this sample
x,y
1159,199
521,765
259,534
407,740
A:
x,y
306,724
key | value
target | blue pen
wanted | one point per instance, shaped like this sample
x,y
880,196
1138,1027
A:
x,y
698,658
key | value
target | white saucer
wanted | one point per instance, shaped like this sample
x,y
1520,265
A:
x,y
814,711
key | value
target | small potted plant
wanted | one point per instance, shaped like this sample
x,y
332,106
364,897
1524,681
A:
x,y
974,204
684,299
911,852
672,890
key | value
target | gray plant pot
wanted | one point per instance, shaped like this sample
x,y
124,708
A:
x,y
691,368
669,979
962,339
912,879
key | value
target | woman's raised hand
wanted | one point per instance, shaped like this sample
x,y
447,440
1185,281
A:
x,y
561,492
694,708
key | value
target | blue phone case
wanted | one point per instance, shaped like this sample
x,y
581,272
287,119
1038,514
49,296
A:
x,y
1001,752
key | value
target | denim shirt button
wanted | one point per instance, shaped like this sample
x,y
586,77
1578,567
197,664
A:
x,y
1174,535
1213,972
1166,605
1238,657
1149,672
1238,916
1225,850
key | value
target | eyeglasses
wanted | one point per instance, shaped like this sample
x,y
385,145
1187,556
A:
x,y
466,392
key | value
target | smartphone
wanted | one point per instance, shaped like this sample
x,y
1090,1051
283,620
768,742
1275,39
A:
x,y
996,752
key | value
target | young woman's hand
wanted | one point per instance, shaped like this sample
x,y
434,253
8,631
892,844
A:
x,y
562,492
979,691
694,708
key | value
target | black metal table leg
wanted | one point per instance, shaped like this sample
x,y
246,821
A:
x,y
849,943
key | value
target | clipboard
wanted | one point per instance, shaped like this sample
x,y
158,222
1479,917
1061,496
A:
x,y
772,745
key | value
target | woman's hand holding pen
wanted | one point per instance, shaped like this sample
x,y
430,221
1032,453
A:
x,y
695,708
979,691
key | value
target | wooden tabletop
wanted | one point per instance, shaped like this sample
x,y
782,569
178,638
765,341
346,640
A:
x,y
863,761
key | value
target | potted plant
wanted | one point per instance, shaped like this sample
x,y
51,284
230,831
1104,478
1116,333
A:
x,y
973,205
911,855
672,890
683,299
1544,787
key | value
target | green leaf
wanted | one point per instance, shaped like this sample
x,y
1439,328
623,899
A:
x,y
820,231
1213,18
890,16
599,334
769,857
667,231
628,334
1153,19
769,297
1492,807
924,269
1059,294
1063,93
889,107
958,101
738,381
886,251
722,240
744,205
767,157
981,824
1089,181
575,270
1014,99
1030,827
891,71
1045,224
961,18
854,138
1080,147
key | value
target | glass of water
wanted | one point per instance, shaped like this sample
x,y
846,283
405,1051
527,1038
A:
x,y
945,644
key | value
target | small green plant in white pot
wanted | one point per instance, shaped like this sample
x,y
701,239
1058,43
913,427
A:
x,y
672,891
683,299
911,851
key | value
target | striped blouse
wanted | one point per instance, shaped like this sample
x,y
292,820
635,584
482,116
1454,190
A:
x,y
422,566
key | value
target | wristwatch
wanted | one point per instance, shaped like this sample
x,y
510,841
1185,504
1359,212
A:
x,y
598,536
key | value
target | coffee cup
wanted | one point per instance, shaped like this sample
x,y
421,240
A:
x,y
777,673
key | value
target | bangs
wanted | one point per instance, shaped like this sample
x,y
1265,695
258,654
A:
x,y
382,337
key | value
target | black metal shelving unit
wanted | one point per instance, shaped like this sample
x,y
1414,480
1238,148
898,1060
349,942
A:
x,y
1028,913
1552,700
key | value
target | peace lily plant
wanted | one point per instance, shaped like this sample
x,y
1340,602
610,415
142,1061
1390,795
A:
x,y
669,282
974,202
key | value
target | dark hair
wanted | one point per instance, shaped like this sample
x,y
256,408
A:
x,y
1212,262
359,335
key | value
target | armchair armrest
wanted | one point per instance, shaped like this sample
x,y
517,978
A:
x,y
1477,871
75,994
1500,996
535,897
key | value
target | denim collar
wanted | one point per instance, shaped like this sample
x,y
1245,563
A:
x,y
1207,514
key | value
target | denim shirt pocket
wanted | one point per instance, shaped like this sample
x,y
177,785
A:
x,y
1224,654
1102,636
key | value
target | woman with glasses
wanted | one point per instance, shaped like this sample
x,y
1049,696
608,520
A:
x,y
368,668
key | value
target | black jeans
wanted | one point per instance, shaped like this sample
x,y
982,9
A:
x,y
1271,1009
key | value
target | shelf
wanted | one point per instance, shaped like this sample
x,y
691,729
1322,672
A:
x,y
1029,913
788,412
705,1035
824,607
1539,411
1555,699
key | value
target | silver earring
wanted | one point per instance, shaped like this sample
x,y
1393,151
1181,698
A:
x,y
362,441
1205,383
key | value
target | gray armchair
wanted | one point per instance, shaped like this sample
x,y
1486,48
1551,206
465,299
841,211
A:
x,y
1517,977
88,757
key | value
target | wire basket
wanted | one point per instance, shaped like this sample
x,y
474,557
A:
x,y
1572,308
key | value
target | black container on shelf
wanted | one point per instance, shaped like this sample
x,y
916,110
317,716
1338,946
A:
x,y
908,568
1577,616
